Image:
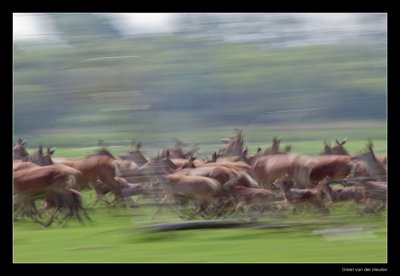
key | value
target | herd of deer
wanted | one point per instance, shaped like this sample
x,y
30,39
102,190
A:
x,y
231,181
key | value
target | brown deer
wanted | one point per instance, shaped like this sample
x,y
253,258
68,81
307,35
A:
x,y
101,165
271,167
19,150
198,188
377,168
297,197
35,182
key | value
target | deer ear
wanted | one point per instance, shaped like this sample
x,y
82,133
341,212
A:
x,y
52,151
337,142
344,141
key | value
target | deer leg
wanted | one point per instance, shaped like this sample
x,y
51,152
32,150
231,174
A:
x,y
198,209
130,202
53,216
160,206
239,206
321,207
353,168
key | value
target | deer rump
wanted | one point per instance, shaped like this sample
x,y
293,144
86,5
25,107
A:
x,y
269,168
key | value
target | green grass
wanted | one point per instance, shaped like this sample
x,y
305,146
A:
x,y
113,237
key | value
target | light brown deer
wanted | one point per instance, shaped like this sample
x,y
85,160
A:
x,y
198,188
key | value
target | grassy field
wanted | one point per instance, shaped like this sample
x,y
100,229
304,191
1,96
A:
x,y
113,237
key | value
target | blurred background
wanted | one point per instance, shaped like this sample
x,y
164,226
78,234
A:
x,y
88,76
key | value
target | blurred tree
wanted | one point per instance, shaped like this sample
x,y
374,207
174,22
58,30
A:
x,y
76,28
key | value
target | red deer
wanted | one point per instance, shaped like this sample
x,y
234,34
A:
x,y
245,198
297,197
38,157
234,145
19,150
71,201
333,166
375,166
219,173
240,179
271,167
366,192
128,168
135,155
274,148
243,191
198,188
35,182
342,194
337,167
42,159
327,148
238,166
100,165
19,165
127,190
213,158
338,149
176,151
157,166
191,162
